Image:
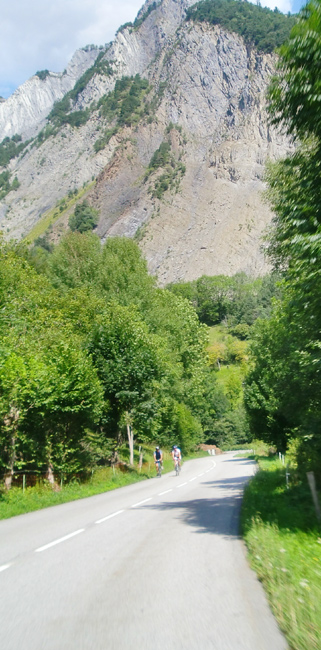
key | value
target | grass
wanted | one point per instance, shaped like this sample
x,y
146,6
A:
x,y
17,502
52,215
283,537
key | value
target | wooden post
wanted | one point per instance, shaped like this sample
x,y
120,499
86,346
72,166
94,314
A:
x,y
23,483
311,479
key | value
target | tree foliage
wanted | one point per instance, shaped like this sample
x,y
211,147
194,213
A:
x,y
283,387
91,348
84,218
238,300
258,25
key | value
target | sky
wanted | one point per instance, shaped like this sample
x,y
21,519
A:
x,y
39,35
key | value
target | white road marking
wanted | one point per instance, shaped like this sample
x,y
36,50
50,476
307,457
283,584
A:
x,y
140,502
201,474
181,485
58,541
4,567
100,521
166,492
193,479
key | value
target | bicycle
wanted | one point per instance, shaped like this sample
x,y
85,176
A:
x,y
159,468
177,467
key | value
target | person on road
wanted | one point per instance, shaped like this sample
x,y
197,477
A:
x,y
158,457
176,455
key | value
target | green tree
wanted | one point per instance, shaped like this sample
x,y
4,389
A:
x,y
130,364
283,387
84,218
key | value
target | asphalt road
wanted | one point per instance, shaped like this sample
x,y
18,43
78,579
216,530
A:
x,y
155,565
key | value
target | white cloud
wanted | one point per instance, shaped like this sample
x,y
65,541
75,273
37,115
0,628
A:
x,y
37,35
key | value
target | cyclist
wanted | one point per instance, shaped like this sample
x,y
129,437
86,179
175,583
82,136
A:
x,y
176,456
158,458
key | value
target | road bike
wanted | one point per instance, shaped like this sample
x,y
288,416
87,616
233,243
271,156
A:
x,y
159,468
177,467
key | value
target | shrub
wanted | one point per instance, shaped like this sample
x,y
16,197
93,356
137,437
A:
x,y
85,218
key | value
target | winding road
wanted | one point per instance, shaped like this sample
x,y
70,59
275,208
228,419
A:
x,y
158,565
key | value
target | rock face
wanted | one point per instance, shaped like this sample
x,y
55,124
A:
x,y
208,89
26,110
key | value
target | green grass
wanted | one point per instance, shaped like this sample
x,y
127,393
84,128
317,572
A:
x,y
51,216
284,543
16,502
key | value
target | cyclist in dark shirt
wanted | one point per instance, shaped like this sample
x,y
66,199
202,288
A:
x,y
158,457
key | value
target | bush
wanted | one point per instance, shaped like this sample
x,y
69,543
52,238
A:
x,y
84,218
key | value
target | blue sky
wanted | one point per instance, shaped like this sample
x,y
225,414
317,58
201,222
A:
x,y
37,35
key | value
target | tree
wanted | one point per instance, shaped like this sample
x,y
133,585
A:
x,y
130,363
283,387
84,218
49,390
76,260
294,94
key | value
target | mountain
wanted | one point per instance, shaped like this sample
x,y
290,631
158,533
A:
x,y
26,110
165,133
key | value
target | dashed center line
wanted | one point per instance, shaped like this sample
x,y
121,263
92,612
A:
x,y
140,502
100,521
58,541
4,567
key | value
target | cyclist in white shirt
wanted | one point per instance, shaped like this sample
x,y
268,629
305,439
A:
x,y
176,455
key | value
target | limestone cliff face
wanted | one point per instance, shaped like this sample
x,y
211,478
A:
x,y
209,91
25,111
215,91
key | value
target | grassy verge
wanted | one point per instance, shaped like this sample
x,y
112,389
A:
x,y
16,502
284,543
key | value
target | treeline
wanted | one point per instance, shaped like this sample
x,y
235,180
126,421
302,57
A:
x,y
283,391
237,300
93,354
258,25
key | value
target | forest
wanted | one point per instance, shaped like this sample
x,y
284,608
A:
x,y
91,352
259,26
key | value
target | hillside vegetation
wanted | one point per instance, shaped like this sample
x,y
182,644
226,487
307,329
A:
x,y
259,26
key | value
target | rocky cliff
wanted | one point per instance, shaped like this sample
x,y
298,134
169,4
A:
x,y
26,110
185,174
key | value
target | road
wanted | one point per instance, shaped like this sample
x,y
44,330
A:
x,y
151,566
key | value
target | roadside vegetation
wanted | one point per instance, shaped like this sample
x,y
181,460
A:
x,y
33,492
282,387
94,355
283,537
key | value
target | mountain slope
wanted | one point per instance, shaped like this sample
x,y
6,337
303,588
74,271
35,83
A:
x,y
28,107
177,159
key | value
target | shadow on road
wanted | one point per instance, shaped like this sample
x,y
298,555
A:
x,y
219,515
